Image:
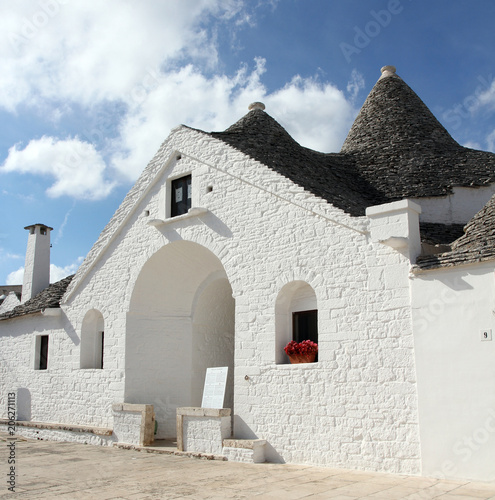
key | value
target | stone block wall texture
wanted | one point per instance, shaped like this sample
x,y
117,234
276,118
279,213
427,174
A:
x,y
355,407
63,435
205,434
127,427
63,393
133,424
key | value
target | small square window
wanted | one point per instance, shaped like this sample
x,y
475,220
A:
x,y
181,196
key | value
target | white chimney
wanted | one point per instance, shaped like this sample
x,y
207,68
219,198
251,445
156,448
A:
x,y
37,267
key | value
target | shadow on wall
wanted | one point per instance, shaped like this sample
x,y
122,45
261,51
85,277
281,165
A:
x,y
23,404
214,223
243,431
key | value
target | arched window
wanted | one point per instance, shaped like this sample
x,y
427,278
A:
x,y
92,340
296,317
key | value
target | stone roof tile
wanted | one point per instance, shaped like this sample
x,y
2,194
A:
x,y
395,149
48,298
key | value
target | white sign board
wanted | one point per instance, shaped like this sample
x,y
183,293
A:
x,y
214,390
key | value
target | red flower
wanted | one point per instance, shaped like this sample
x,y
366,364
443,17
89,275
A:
x,y
304,347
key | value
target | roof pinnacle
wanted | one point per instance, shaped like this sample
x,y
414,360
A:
x,y
388,71
256,105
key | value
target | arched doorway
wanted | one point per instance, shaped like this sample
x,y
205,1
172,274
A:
x,y
180,322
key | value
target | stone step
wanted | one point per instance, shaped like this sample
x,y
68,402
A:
x,y
244,450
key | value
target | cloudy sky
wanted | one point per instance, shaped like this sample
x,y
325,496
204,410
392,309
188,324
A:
x,y
89,90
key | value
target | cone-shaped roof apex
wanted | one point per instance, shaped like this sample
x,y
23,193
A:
x,y
395,149
393,116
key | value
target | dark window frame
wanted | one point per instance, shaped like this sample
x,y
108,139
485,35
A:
x,y
184,184
305,325
102,347
43,352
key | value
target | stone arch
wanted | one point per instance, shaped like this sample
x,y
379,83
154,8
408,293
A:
x,y
180,321
296,296
92,340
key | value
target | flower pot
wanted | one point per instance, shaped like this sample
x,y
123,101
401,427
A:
x,y
302,358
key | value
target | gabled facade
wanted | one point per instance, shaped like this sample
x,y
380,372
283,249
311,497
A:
x,y
222,246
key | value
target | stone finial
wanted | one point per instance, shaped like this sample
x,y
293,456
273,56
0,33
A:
x,y
388,71
256,105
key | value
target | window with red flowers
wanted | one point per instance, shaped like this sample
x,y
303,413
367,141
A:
x,y
305,325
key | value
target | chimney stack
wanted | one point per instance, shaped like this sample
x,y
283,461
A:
x,y
37,266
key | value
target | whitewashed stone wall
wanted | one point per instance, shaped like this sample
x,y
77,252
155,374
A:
x,y
456,371
63,435
205,434
456,208
133,424
356,407
63,393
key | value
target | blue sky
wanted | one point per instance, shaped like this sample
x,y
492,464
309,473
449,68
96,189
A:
x,y
89,90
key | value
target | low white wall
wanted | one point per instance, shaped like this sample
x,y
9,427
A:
x,y
456,371
59,435
133,424
202,430
456,208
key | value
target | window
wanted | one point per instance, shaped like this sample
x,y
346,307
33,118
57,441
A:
x,y
92,340
305,326
296,317
101,341
181,196
41,352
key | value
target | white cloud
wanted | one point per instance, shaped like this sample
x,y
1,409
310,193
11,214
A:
x,y
355,84
484,95
316,114
56,273
60,232
91,51
491,141
7,255
16,277
57,53
78,169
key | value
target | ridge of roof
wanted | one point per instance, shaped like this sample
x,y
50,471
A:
x,y
50,297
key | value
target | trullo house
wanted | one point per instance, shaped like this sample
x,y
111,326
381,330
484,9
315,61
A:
x,y
233,243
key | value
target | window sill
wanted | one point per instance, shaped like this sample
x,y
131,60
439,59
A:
x,y
193,212
296,366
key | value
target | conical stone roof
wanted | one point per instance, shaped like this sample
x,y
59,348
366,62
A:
x,y
394,119
395,149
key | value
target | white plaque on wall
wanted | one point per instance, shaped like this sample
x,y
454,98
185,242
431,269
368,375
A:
x,y
214,390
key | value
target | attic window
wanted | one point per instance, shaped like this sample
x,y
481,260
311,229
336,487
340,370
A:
x,y
181,196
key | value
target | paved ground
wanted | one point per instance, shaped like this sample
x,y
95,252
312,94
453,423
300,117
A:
x,y
49,470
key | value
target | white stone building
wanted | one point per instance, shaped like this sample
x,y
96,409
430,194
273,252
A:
x,y
229,245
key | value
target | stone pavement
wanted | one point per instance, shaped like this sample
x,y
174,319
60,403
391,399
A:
x,y
51,470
